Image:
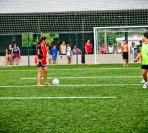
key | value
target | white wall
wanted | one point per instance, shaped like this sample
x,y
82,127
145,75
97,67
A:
x,y
89,59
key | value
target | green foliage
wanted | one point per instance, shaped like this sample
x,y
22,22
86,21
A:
x,y
27,40
111,36
33,38
50,37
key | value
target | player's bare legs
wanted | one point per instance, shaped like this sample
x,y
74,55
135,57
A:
x,y
45,75
39,73
145,77
124,62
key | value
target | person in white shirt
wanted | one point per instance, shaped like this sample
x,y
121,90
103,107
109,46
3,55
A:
x,y
133,50
118,48
68,53
110,49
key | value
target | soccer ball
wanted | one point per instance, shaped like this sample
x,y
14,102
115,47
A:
x,y
55,82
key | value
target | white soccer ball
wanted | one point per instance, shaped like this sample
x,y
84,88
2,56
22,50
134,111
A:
x,y
55,82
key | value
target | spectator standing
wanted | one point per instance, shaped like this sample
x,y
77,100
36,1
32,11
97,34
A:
x,y
118,48
16,53
124,49
103,49
9,52
110,49
88,47
63,50
68,53
133,50
54,53
76,50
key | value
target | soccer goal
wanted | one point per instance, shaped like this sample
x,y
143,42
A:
x,y
108,41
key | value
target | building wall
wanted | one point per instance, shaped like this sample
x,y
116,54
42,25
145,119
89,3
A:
x,y
89,59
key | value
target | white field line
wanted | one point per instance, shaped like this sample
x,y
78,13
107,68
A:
x,y
6,66
99,77
74,69
71,97
69,85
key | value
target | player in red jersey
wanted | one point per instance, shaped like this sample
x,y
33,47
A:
x,y
41,60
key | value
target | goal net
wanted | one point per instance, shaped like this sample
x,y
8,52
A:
x,y
108,41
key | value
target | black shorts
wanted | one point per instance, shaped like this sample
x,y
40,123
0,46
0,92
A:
x,y
125,55
144,67
40,65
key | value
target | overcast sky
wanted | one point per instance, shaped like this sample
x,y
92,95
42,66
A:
x,y
34,6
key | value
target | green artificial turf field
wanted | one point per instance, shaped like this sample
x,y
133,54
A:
x,y
90,98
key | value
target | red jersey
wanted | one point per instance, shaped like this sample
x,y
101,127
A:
x,y
88,48
42,55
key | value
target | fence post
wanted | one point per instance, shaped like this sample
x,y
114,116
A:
x,y
28,52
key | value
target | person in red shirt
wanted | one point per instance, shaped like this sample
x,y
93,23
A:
x,y
103,49
41,60
88,47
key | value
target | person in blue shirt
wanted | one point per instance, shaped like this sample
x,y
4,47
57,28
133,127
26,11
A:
x,y
54,53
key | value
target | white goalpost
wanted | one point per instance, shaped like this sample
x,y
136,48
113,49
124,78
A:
x,y
111,36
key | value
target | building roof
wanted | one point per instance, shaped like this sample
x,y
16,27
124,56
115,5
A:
x,y
42,6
